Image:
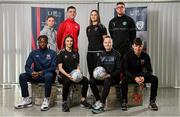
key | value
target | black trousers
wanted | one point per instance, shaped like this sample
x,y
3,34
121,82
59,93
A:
x,y
92,58
150,79
47,78
67,83
107,83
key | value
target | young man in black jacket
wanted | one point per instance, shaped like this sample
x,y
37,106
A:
x,y
110,60
138,69
122,29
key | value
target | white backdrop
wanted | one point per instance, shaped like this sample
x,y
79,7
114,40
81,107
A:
x,y
163,28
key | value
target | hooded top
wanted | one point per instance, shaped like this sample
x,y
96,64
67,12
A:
x,y
51,34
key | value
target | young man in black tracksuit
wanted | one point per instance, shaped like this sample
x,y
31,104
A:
x,y
122,29
110,60
138,70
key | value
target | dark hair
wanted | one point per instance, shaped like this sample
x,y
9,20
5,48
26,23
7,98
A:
x,y
138,41
44,37
98,20
71,7
50,16
121,3
107,36
68,36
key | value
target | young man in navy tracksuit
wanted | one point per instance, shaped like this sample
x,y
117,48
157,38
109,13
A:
x,y
42,71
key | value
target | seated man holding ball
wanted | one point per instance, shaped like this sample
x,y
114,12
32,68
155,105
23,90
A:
x,y
110,61
68,63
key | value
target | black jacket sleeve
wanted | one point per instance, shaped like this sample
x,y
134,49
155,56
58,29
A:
x,y
132,30
111,28
147,70
128,74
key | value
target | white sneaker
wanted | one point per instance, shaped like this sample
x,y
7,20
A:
x,y
25,103
99,106
45,104
96,103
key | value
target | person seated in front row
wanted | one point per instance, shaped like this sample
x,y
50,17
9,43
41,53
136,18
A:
x,y
68,60
110,61
138,69
40,68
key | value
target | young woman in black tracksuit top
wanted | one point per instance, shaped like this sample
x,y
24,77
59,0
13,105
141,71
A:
x,y
95,32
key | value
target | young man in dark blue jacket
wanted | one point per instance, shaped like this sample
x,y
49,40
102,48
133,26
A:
x,y
40,68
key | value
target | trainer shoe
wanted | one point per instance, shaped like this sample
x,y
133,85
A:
x,y
96,103
124,106
65,107
99,108
153,106
25,103
45,104
85,104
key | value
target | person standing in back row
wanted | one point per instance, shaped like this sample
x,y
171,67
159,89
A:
x,y
122,29
68,27
95,33
50,32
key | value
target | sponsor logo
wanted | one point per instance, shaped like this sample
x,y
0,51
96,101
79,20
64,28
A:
x,y
48,56
37,56
142,62
140,25
124,23
74,56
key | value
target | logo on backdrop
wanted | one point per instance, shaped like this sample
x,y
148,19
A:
x,y
139,14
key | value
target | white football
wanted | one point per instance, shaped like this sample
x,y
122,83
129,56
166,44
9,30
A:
x,y
76,75
99,72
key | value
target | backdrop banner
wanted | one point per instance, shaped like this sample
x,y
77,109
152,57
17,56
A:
x,y
38,21
139,14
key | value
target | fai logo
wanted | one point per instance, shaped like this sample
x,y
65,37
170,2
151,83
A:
x,y
142,62
74,56
76,27
96,28
124,23
48,56
140,25
65,56
37,56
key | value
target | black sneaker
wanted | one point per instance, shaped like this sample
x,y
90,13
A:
x,y
153,106
65,107
124,106
85,104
